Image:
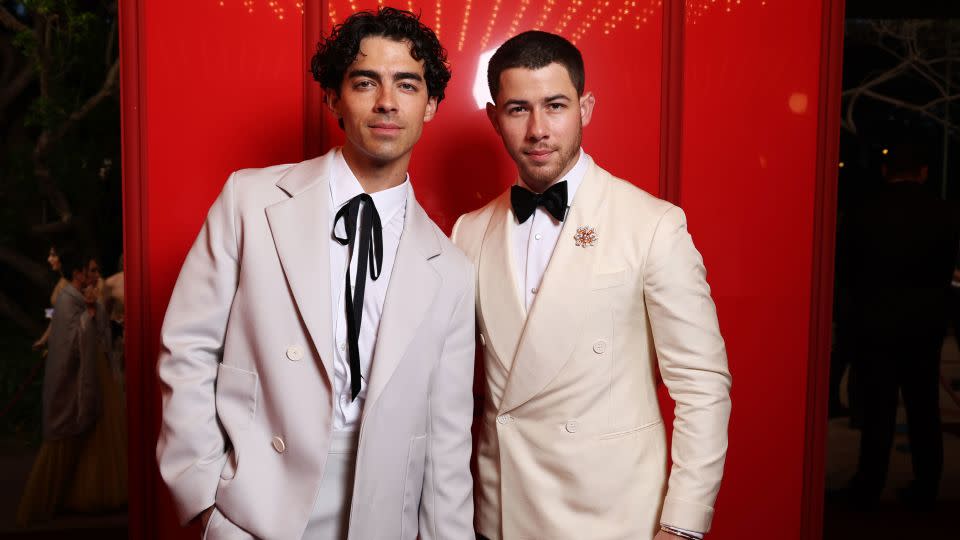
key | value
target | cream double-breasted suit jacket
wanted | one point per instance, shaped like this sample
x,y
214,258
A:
x,y
572,443
247,362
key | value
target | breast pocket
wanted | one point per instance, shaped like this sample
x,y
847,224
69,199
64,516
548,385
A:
x,y
413,486
236,399
608,280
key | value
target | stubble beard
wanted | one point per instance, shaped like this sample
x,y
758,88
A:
x,y
541,178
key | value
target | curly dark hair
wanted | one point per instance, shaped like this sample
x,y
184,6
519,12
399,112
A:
x,y
337,51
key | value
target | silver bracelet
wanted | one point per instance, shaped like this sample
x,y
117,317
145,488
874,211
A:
x,y
678,532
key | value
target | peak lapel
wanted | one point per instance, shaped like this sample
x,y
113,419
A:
x,y
556,318
500,303
413,286
301,233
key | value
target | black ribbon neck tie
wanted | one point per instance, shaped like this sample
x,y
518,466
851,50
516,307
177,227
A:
x,y
370,252
553,200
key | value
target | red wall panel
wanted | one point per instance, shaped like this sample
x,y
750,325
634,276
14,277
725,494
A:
x,y
214,85
749,147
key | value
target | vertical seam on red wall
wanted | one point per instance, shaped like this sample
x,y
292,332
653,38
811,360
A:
x,y
671,100
142,488
824,239
314,13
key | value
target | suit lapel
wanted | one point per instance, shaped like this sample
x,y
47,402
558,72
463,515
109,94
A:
x,y
500,303
413,286
300,227
557,315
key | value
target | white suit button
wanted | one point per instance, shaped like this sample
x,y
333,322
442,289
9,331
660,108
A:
x,y
600,346
294,353
483,341
278,445
502,419
571,427
538,236
343,347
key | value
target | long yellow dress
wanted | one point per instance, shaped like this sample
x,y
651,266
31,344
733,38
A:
x,y
100,481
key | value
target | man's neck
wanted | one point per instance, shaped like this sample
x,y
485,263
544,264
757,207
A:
x,y
77,284
375,176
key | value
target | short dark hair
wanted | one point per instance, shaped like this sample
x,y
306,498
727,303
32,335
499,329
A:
x,y
534,50
71,260
337,51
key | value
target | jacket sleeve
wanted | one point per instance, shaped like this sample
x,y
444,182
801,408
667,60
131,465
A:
x,y
191,448
446,505
693,364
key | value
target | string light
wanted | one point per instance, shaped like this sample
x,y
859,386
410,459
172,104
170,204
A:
x,y
567,16
546,9
589,20
436,25
493,19
333,13
518,17
466,22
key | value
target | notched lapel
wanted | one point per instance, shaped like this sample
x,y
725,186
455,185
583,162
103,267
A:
x,y
414,284
300,228
502,308
556,318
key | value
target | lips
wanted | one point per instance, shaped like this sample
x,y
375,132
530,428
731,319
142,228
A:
x,y
385,128
539,154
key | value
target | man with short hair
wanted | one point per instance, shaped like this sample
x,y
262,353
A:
x,y
903,246
317,353
586,286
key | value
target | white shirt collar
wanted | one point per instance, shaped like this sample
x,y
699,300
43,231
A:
x,y
345,186
574,176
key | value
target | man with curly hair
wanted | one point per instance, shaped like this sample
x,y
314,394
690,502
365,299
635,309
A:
x,y
317,353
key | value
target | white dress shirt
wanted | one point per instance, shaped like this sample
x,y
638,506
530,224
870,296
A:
x,y
391,205
535,239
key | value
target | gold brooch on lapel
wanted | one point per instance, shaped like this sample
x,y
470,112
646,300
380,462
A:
x,y
585,236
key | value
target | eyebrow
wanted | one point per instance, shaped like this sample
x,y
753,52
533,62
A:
x,y
398,76
548,99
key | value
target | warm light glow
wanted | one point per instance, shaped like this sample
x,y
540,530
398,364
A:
x,y
841,164
481,90
885,151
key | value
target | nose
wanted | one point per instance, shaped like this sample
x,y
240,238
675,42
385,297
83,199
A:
x,y
386,100
536,126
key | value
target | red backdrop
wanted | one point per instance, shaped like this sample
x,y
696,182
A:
x,y
719,105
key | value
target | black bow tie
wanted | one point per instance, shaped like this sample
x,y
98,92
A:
x,y
371,249
553,200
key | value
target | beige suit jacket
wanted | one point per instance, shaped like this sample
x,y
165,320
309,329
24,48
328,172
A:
x,y
246,370
572,444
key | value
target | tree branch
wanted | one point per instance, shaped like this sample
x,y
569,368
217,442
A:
x,y
47,138
11,22
27,267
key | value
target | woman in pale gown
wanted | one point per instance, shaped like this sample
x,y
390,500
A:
x,y
71,393
100,482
